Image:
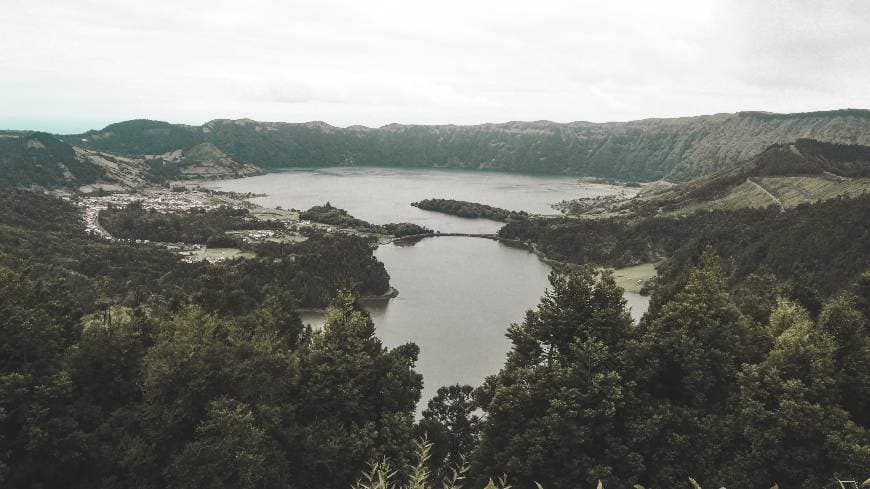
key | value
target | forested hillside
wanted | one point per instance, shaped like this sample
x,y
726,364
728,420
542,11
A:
x,y
825,244
134,152
38,158
30,158
45,237
677,149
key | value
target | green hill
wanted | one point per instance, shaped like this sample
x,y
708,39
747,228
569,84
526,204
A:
x,y
38,158
143,153
784,175
141,137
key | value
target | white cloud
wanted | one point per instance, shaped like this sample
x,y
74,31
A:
x,y
350,62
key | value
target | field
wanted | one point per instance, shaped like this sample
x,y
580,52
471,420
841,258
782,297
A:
x,y
743,195
632,279
226,254
790,190
794,191
265,214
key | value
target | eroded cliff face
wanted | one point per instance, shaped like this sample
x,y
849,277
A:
x,y
677,149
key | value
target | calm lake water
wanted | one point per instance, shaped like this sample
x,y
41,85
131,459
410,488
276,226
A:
x,y
383,195
457,295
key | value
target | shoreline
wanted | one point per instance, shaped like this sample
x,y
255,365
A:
x,y
580,181
386,296
624,276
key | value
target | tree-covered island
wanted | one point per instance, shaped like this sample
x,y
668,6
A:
x,y
463,208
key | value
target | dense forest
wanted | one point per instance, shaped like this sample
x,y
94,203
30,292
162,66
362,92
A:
x,y
463,208
677,149
329,214
824,244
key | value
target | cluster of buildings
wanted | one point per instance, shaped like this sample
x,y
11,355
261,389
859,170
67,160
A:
x,y
91,206
174,201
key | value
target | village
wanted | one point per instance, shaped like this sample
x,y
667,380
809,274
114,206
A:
x,y
182,199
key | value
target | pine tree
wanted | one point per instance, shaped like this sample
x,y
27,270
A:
x,y
794,433
356,398
685,364
450,424
553,411
848,326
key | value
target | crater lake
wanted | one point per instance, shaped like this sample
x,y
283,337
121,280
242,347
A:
x,y
457,295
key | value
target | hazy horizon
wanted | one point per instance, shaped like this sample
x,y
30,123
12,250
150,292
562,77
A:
x,y
84,64
72,127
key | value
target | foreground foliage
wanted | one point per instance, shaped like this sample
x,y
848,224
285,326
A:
x,y
131,399
695,388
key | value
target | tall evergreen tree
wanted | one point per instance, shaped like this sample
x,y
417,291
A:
x,y
553,412
357,399
848,327
230,450
685,363
793,432
451,425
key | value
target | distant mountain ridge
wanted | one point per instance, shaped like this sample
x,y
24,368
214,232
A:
x,y
32,158
139,152
677,149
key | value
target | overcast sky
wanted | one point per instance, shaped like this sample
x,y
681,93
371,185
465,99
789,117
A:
x,y
70,65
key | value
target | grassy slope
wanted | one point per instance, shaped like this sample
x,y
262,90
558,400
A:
x,y
792,174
